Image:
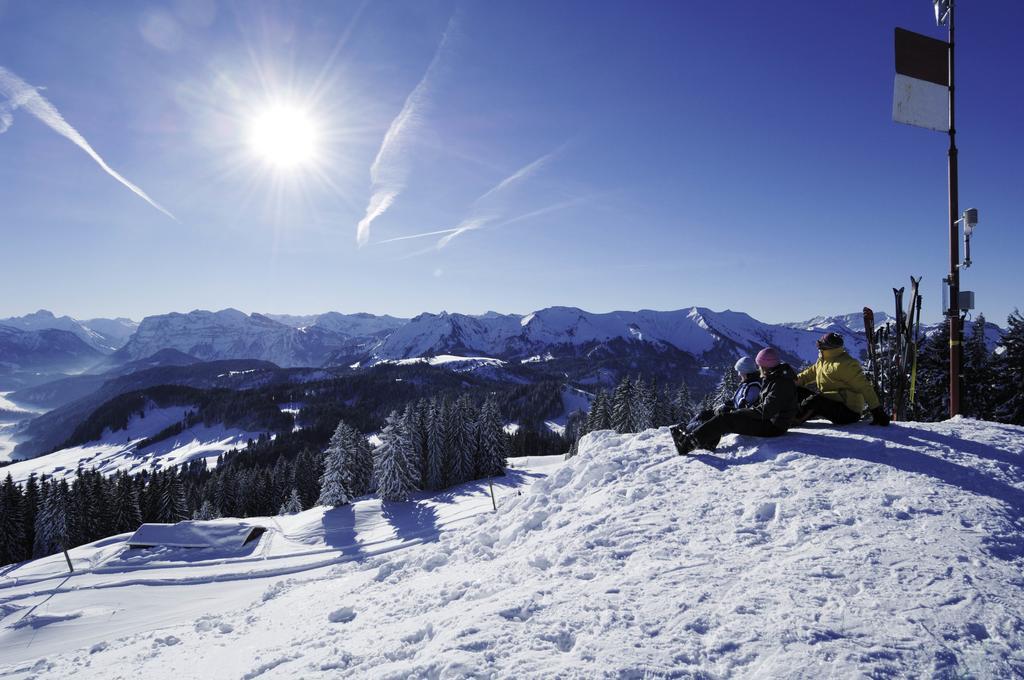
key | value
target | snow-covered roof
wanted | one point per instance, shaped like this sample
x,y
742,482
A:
x,y
219,535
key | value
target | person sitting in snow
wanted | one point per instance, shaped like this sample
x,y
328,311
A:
x,y
770,417
842,388
745,396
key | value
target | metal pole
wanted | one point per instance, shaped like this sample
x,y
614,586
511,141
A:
x,y
954,245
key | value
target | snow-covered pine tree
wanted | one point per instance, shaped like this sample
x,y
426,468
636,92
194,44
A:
x,y
1010,372
642,410
494,444
172,498
308,468
662,408
293,505
422,444
12,530
391,459
52,520
438,458
978,376
30,510
727,386
933,376
337,480
416,431
126,512
621,407
681,405
598,418
206,511
460,440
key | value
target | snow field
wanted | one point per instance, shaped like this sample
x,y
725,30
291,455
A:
x,y
117,451
855,552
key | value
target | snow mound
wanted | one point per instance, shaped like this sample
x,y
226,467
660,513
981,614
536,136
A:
x,y
853,552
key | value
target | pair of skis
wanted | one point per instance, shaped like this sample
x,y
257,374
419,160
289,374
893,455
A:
x,y
892,353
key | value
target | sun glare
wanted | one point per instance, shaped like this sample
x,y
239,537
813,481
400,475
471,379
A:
x,y
284,136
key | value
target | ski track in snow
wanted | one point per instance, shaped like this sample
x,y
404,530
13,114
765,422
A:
x,y
853,552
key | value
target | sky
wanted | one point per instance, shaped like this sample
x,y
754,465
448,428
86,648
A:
x,y
428,155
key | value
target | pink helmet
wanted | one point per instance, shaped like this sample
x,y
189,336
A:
x,y
768,358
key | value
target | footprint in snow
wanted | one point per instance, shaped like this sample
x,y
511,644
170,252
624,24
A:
x,y
343,615
765,512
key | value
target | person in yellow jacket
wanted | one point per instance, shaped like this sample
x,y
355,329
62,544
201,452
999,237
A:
x,y
843,390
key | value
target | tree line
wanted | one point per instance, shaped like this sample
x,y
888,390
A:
x,y
992,382
431,445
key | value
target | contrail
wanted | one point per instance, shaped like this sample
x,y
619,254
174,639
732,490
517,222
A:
x,y
20,94
390,168
479,220
484,222
520,174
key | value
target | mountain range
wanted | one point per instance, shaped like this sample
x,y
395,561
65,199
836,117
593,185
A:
x,y
47,343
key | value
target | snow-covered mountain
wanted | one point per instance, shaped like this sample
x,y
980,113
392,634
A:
x,y
43,350
231,334
852,325
563,331
104,335
352,325
840,552
334,339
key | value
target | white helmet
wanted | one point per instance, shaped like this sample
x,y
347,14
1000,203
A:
x,y
746,365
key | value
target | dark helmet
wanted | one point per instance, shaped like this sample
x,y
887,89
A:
x,y
830,341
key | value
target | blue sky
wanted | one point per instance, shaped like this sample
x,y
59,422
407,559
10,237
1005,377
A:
x,y
595,154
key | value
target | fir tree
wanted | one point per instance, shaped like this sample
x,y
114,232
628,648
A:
x,y
621,408
172,507
681,404
336,482
293,505
1010,371
52,521
461,438
225,491
727,386
30,509
599,417
206,511
391,460
641,411
126,512
438,458
978,378
493,441
416,431
308,469
12,529
933,376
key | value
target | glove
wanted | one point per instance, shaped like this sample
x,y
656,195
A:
x,y
879,417
724,408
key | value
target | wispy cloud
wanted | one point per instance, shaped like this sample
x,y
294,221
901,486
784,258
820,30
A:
x,y
15,94
390,170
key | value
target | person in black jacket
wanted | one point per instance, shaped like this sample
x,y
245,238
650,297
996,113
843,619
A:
x,y
770,417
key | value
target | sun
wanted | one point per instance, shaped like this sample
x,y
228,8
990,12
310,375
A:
x,y
285,137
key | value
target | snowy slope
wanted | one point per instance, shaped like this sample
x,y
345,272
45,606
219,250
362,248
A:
x,y
856,552
117,451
